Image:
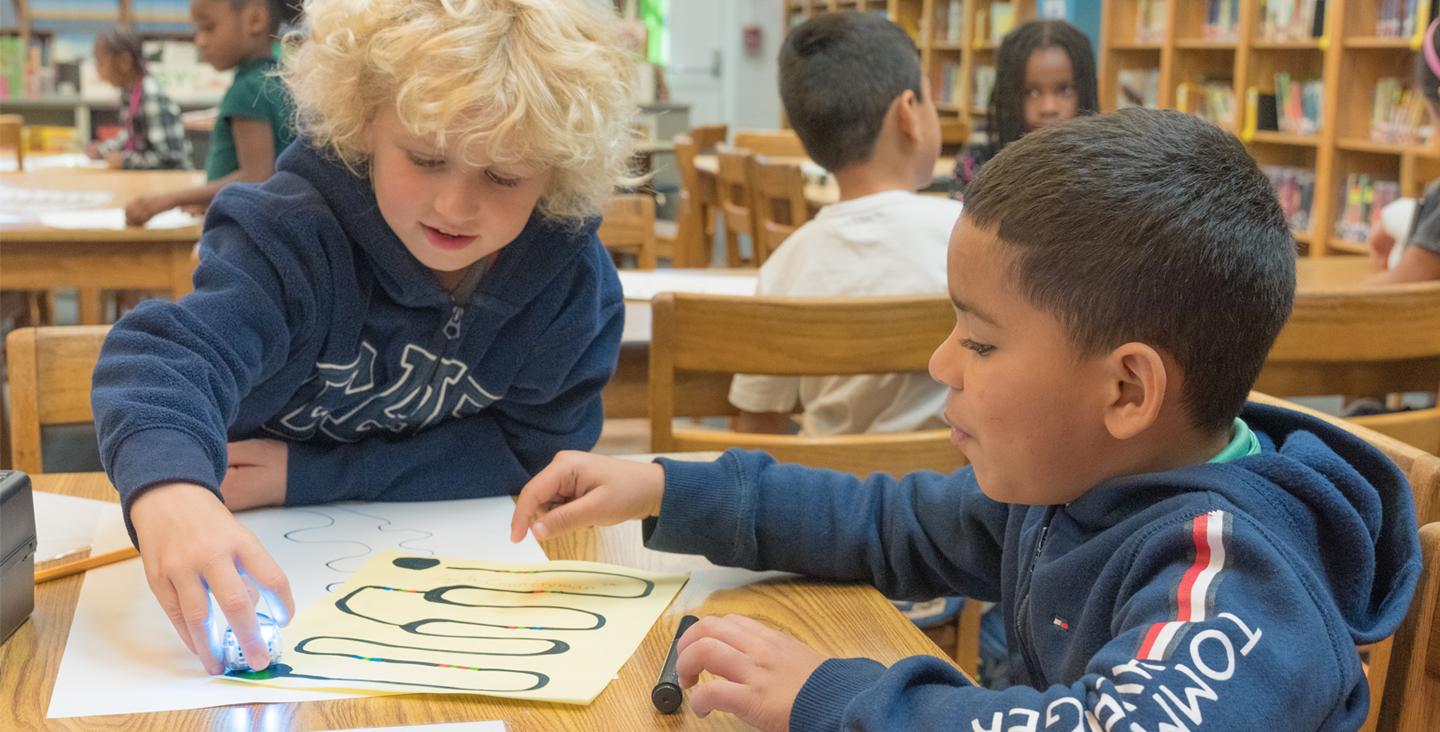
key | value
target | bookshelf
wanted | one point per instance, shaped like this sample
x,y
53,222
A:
x,y
1346,51
949,55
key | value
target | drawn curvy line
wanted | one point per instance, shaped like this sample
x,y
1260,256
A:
x,y
343,604
368,550
280,670
649,585
556,647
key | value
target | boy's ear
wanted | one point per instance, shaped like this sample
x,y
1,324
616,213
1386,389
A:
x,y
1136,391
907,114
256,18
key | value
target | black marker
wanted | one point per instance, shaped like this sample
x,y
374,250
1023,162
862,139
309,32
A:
x,y
666,696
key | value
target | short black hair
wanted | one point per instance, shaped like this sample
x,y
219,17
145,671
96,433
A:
x,y
839,73
1150,226
280,12
1005,116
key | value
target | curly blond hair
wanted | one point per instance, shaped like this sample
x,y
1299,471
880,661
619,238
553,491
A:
x,y
536,82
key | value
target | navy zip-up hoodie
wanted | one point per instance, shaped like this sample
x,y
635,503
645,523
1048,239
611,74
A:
x,y
1214,597
311,323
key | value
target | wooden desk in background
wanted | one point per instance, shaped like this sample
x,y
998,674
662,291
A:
x,y
842,620
91,260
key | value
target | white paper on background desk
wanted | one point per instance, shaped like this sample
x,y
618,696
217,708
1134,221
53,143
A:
x,y
65,524
123,656
645,285
114,219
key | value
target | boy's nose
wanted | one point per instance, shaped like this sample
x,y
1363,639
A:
x,y
945,366
458,201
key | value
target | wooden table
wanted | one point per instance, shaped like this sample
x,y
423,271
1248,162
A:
x,y
841,620
91,260
1333,272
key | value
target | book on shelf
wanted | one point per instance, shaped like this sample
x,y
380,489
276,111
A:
x,y
982,26
984,85
1402,18
950,80
1002,20
1138,88
1292,20
1298,104
950,21
1362,200
1295,187
1222,20
1150,24
1212,101
1400,115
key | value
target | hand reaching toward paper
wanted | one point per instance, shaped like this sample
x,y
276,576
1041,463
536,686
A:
x,y
761,670
193,547
579,489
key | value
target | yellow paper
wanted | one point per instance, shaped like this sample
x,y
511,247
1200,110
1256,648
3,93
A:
x,y
550,631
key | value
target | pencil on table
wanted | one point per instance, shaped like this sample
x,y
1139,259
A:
x,y
65,570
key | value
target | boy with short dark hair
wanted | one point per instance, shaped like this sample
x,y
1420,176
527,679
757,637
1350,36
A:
x,y
1167,557
854,93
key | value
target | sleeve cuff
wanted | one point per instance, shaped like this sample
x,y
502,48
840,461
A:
x,y
699,513
829,691
157,456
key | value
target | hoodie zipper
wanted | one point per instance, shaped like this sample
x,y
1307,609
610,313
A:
x,y
452,328
1022,614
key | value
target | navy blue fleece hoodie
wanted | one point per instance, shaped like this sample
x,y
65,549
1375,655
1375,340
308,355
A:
x,y
1214,597
311,323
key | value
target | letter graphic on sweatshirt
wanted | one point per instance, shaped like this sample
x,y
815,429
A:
x,y
1193,599
344,402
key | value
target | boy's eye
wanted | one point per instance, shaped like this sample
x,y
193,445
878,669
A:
x,y
424,162
980,349
501,180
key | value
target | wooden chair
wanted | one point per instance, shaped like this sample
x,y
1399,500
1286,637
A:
x,y
706,137
779,204
733,179
953,136
695,223
12,135
700,335
1368,342
774,143
50,370
1411,700
695,338
628,226
1422,469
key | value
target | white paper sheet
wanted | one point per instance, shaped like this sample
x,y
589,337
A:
x,y
114,219
645,285
123,656
66,524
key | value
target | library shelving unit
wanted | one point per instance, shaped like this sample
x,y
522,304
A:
x,y
1348,57
929,22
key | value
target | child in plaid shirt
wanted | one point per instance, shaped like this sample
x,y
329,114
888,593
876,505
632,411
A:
x,y
153,137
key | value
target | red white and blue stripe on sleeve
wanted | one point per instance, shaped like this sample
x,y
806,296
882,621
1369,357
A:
x,y
1193,600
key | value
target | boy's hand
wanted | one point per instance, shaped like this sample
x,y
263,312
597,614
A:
x,y
256,474
579,489
190,544
1380,243
144,208
761,670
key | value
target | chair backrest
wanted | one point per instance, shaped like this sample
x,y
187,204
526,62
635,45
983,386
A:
x,y
1358,342
12,135
953,136
628,225
780,207
50,370
775,143
1363,342
733,178
698,336
1411,700
706,137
